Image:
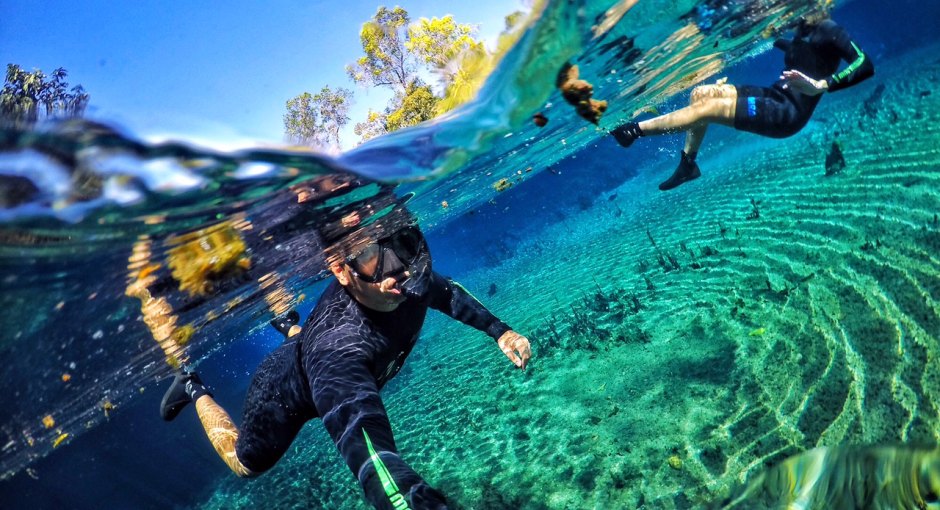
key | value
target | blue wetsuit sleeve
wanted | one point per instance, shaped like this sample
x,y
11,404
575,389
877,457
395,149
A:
x,y
860,67
452,299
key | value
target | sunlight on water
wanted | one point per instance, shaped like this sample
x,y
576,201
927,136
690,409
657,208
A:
x,y
769,314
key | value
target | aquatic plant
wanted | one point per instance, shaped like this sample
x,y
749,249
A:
x,y
755,210
835,161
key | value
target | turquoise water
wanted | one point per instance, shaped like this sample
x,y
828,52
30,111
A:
x,y
683,341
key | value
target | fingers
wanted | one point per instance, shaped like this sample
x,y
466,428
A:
x,y
794,75
509,349
521,346
525,352
512,357
516,348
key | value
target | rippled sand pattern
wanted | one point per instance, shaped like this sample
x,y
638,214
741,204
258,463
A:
x,y
778,310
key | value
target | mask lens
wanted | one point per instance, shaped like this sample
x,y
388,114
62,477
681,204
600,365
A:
x,y
366,264
407,245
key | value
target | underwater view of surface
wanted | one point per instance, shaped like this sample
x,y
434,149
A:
x,y
768,332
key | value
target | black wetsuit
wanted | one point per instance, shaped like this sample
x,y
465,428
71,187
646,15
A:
x,y
778,112
334,370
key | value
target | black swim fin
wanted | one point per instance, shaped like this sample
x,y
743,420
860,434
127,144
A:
x,y
685,172
185,388
283,324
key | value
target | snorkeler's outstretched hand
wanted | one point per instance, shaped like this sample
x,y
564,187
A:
x,y
516,348
803,84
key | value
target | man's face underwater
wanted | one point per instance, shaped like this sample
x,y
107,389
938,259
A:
x,y
381,275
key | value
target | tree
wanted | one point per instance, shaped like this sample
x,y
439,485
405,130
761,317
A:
x,y
393,54
374,125
417,105
300,121
474,66
315,120
28,97
440,42
386,61
512,21
334,111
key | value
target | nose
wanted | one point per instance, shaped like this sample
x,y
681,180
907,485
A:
x,y
392,265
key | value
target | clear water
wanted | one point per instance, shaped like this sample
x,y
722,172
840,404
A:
x,y
683,341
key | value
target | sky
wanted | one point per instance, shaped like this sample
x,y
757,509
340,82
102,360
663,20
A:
x,y
211,72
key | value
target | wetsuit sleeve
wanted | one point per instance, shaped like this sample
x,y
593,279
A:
x,y
860,67
451,298
783,44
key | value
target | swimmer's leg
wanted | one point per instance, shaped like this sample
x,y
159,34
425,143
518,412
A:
x,y
221,431
686,171
275,409
714,103
709,104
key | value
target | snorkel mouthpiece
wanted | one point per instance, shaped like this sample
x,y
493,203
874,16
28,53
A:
x,y
416,285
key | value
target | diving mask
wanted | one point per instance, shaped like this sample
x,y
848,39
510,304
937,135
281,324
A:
x,y
403,256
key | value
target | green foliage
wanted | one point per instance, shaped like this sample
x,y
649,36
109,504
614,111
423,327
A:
x,y
393,53
394,50
373,126
473,67
27,98
386,61
417,105
315,120
513,20
439,42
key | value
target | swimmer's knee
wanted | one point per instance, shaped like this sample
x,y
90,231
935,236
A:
x,y
246,465
700,93
713,93
242,471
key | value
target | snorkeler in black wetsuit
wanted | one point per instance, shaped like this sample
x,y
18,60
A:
x,y
355,340
812,60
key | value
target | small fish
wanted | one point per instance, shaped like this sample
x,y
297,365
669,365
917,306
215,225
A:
x,y
757,332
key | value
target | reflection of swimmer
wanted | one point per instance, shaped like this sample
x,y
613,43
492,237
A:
x,y
355,340
812,58
201,267
879,477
